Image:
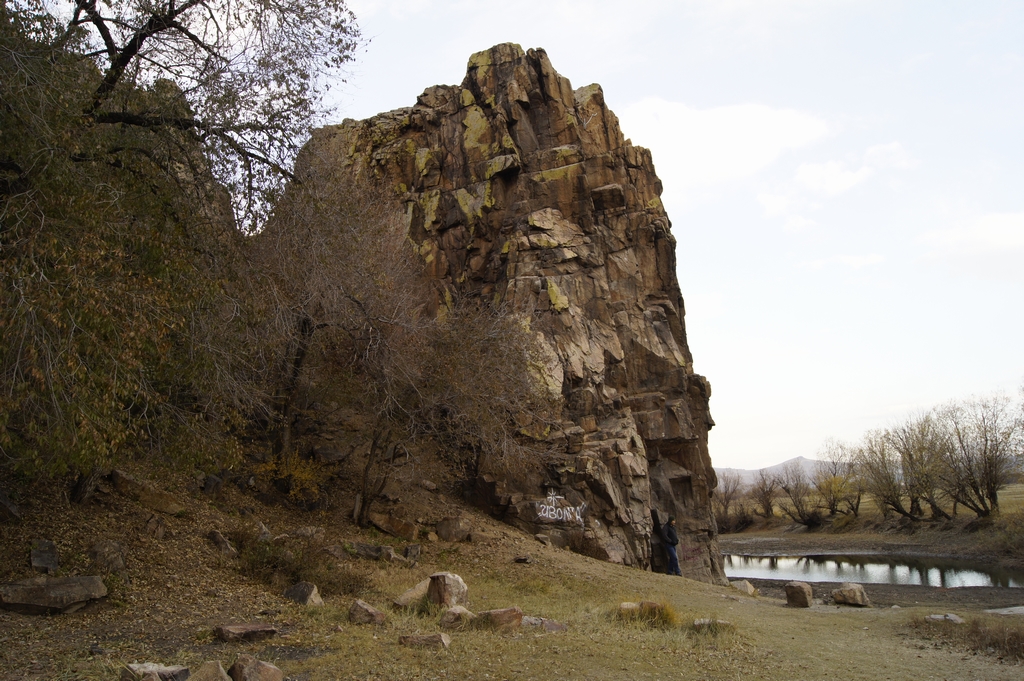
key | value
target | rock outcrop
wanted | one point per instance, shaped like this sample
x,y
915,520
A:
x,y
518,188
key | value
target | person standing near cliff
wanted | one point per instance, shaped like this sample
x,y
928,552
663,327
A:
x,y
671,537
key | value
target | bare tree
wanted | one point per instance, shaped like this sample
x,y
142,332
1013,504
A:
x,y
882,473
918,442
981,450
798,501
763,492
728,492
832,475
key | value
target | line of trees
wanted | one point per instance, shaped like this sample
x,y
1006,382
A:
x,y
925,467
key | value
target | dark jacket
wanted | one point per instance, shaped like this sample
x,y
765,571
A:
x,y
668,533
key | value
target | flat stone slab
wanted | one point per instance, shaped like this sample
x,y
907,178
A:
x,y
51,595
1015,610
426,640
138,672
414,596
254,631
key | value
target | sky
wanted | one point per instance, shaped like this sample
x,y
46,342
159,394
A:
x,y
845,181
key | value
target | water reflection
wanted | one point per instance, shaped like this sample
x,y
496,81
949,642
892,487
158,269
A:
x,y
871,569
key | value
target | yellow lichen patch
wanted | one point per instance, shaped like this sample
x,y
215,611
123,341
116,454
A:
x,y
478,135
560,173
473,204
559,301
499,164
505,247
423,157
429,201
542,241
467,98
654,203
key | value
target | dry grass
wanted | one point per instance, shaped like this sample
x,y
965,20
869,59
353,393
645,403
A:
x,y
1001,636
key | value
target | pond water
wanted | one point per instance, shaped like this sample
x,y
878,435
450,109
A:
x,y
871,569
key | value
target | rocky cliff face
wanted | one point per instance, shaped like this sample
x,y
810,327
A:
x,y
522,189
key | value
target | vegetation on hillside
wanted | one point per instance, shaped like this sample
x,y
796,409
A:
x,y
163,295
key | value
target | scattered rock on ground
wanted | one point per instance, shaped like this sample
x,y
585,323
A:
x,y
550,626
744,586
210,671
799,595
428,485
480,536
395,526
448,589
43,556
337,551
156,526
263,532
413,596
850,593
502,619
51,595
543,539
457,617
248,668
362,612
705,623
527,558
432,536
426,640
212,486
948,617
412,552
223,544
304,593
147,495
453,528
107,556
254,631
138,672
309,532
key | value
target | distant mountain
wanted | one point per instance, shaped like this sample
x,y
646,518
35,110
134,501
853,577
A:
x,y
748,475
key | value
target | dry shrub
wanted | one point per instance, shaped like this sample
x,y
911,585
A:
x,y
712,627
282,564
1001,636
651,614
1008,535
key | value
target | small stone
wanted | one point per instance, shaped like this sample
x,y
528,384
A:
x,y
955,619
531,621
96,649
248,668
397,527
362,612
705,623
107,556
210,671
799,595
543,538
553,627
309,532
138,672
527,558
426,640
337,551
453,528
255,631
412,552
413,596
263,532
156,527
480,536
43,556
744,586
503,619
432,537
223,544
895,607
304,593
428,485
456,618
447,589
850,593
212,486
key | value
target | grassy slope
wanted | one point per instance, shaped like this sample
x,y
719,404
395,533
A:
x,y
178,588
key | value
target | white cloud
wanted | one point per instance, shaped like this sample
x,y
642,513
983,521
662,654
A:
x,y
830,178
889,156
853,262
995,233
702,147
798,223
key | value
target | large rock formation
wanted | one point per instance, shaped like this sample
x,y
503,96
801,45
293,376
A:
x,y
522,189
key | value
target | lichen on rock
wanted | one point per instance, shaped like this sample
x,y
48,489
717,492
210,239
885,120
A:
x,y
522,190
